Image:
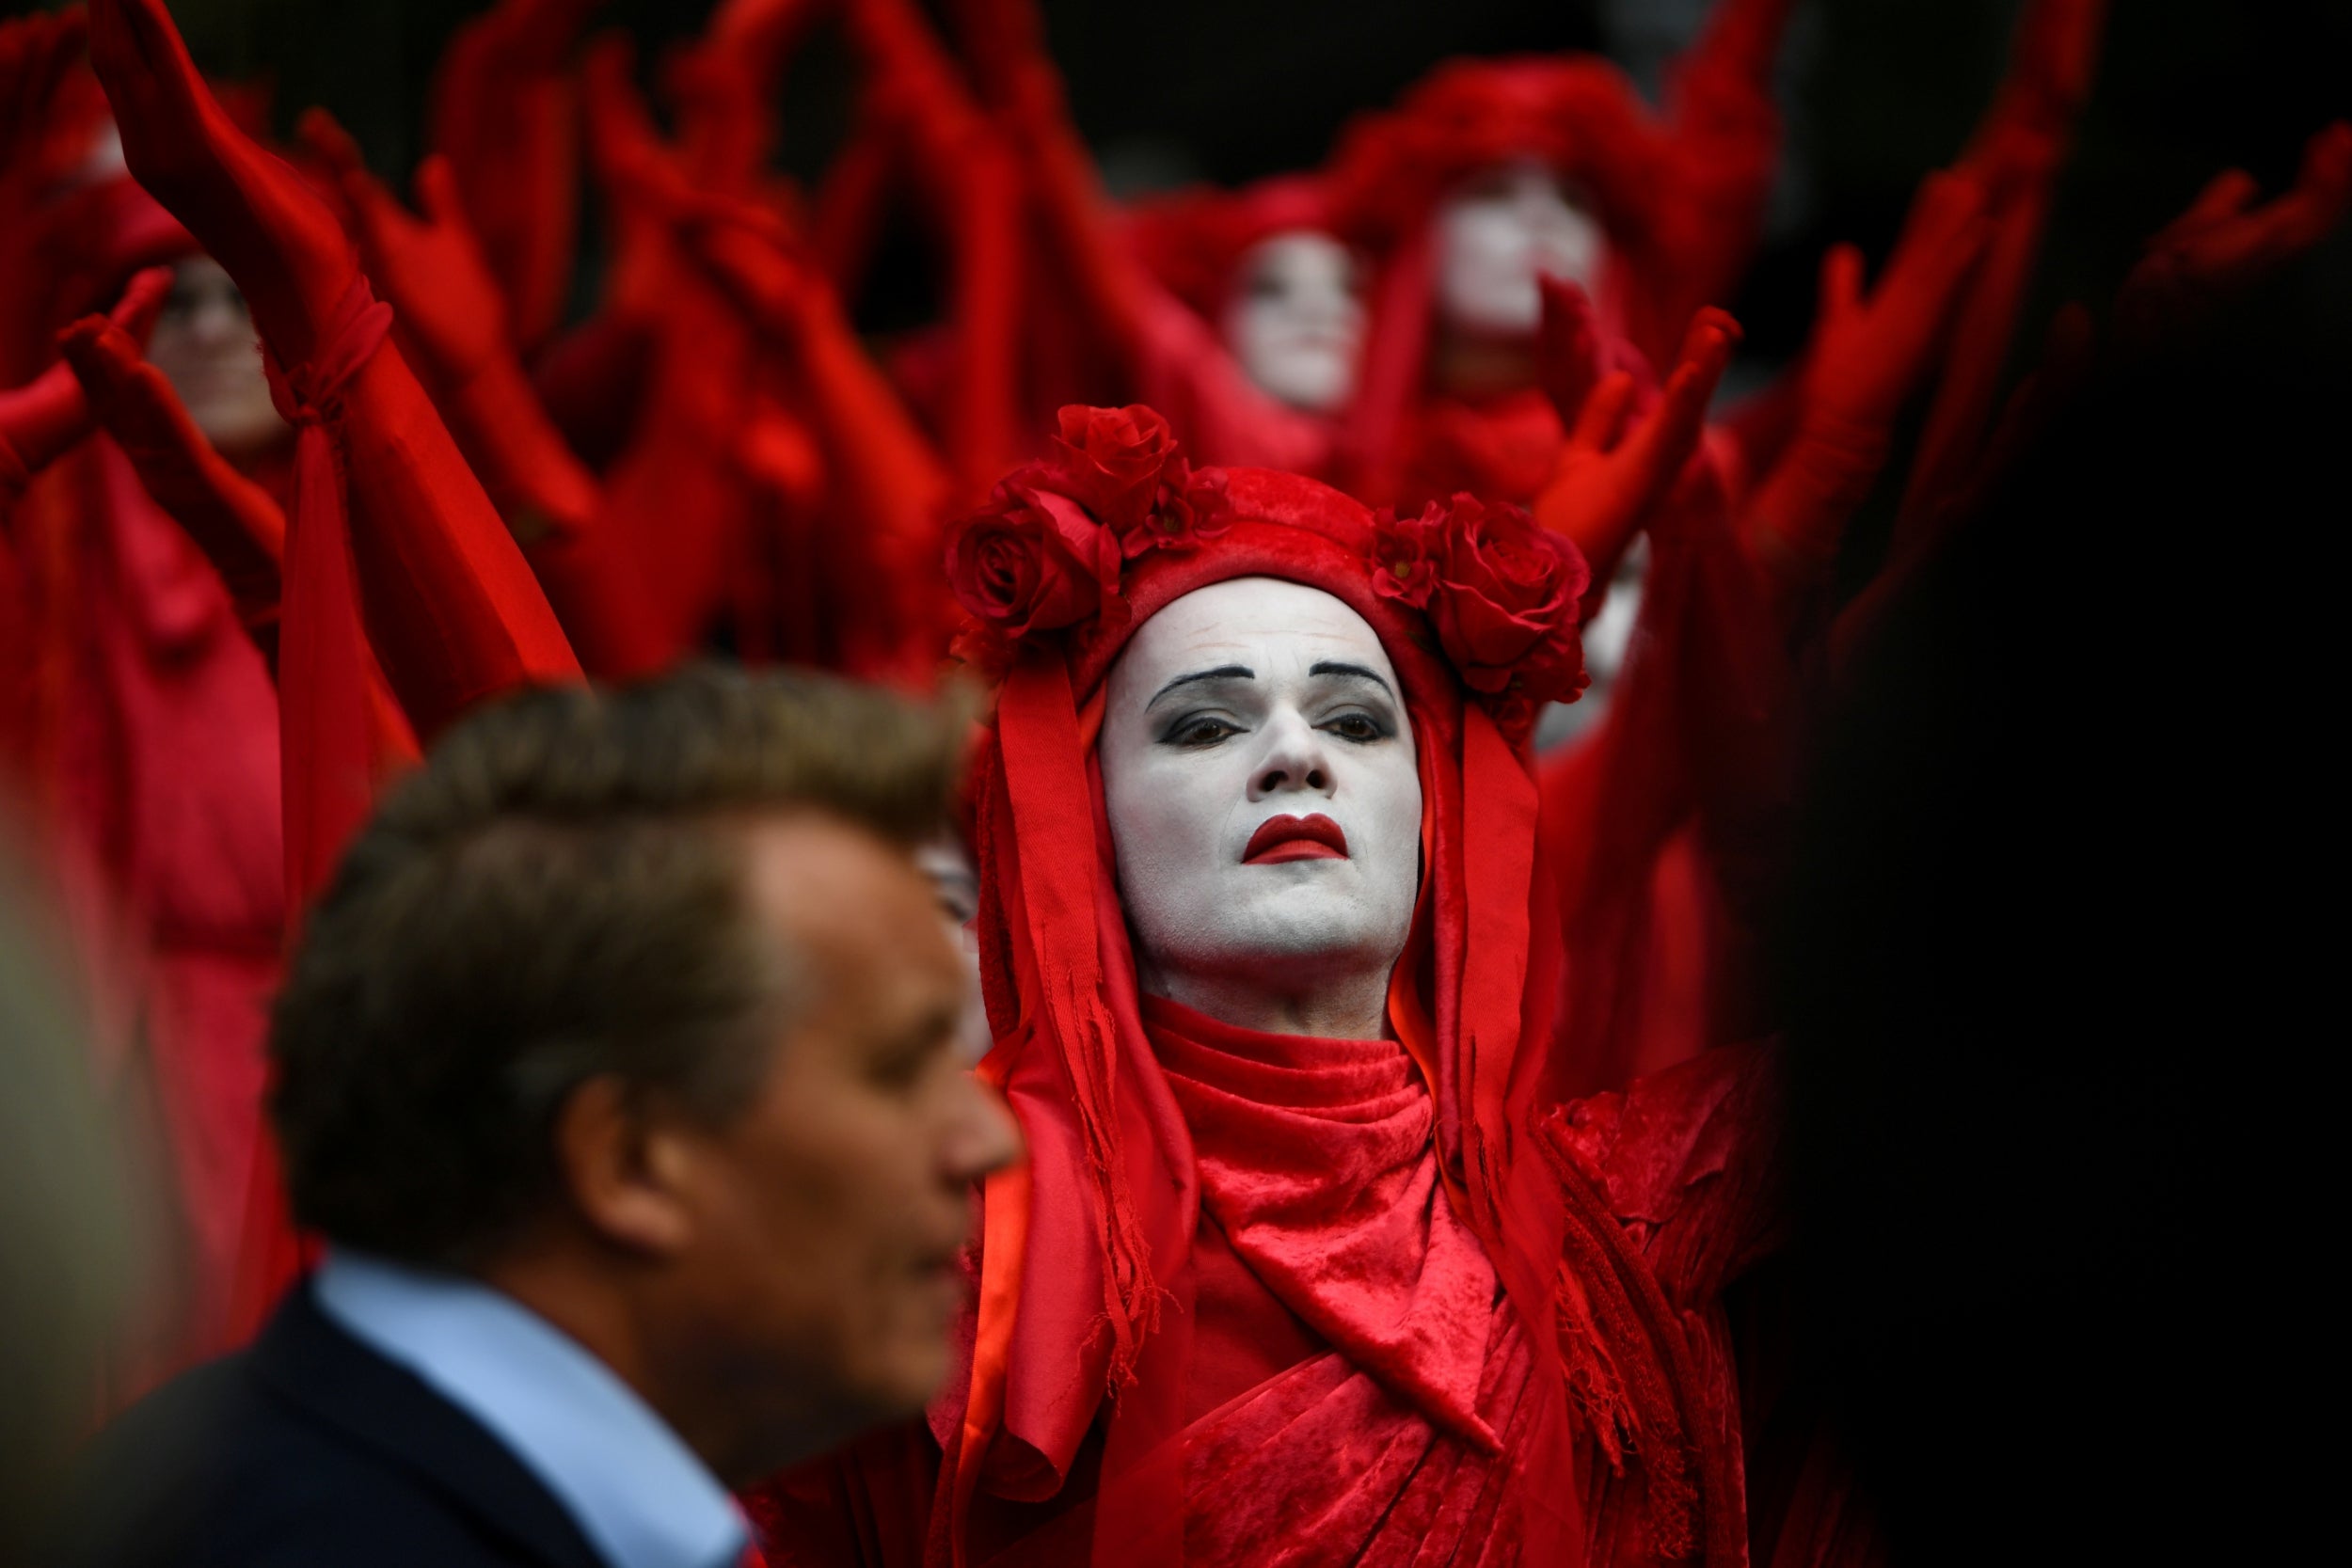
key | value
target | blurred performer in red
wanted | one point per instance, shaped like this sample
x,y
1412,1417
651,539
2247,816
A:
x,y
148,733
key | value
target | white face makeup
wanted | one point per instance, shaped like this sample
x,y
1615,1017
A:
x,y
1258,772
1296,318
948,866
205,344
1496,233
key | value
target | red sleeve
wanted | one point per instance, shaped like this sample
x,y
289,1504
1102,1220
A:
x,y
971,186
448,598
506,111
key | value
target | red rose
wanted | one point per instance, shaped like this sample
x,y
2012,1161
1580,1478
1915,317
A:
x,y
1031,561
1501,593
1404,555
1113,461
1504,604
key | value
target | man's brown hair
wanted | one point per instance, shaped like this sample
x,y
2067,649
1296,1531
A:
x,y
557,895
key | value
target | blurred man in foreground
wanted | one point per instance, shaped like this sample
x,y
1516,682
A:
x,y
617,1067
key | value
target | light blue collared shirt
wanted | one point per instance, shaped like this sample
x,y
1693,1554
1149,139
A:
x,y
638,1494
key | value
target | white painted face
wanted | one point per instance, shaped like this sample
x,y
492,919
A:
x,y
1296,318
948,866
1258,771
205,344
1496,233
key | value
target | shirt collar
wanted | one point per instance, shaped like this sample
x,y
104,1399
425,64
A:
x,y
639,1494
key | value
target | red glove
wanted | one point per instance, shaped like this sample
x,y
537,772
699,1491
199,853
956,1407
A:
x,y
40,420
635,174
723,89
453,322
453,606
2015,157
427,265
2026,134
1613,471
233,520
1867,357
505,113
972,184
887,486
1724,151
2224,244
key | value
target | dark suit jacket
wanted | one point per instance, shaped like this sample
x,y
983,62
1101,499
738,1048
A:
x,y
309,1449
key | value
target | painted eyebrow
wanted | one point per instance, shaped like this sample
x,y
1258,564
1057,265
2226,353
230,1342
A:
x,y
1222,673
1330,667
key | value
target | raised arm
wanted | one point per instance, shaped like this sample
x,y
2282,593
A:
x,y
450,602
2225,244
1869,352
1619,463
970,182
43,420
1725,131
2015,157
505,112
723,87
888,490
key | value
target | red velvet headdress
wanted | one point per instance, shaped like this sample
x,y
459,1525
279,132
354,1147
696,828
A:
x,y
1194,240
1476,609
1578,114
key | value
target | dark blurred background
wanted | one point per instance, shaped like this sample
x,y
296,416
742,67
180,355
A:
x,y
1230,90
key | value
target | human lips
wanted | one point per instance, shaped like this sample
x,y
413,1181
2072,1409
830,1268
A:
x,y
1280,839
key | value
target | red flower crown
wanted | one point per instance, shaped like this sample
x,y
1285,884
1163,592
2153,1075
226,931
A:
x,y
1047,551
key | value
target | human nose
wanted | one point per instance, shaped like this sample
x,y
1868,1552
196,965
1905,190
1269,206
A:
x,y
981,1135
217,319
1294,759
1327,306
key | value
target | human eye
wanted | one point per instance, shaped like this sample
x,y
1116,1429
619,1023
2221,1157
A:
x,y
902,1066
1359,726
1199,730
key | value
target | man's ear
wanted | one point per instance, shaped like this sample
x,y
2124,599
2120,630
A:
x,y
623,1167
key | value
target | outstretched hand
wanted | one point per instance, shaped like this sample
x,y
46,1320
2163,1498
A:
x,y
2052,60
2224,243
428,264
249,208
755,262
1614,469
1869,352
43,418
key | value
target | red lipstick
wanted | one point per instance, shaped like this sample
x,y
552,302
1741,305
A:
x,y
1280,839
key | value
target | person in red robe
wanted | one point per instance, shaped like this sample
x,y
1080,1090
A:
x,y
1310,1261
